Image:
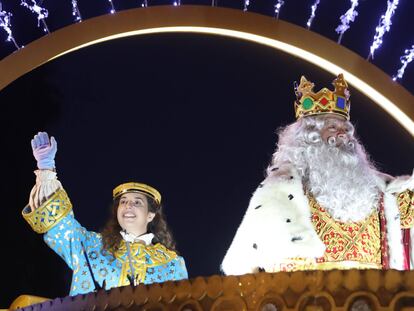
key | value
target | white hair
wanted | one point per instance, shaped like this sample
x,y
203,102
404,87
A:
x,y
337,173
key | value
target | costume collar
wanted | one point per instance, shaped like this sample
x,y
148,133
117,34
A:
x,y
130,237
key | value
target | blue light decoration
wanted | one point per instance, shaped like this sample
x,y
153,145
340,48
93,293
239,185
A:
x,y
42,13
383,26
348,17
75,11
5,23
246,5
405,60
278,6
112,11
313,13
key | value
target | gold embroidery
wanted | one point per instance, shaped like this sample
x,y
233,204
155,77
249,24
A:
x,y
157,255
50,213
354,245
103,272
406,205
354,241
85,284
304,264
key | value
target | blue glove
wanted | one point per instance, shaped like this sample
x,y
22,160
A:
x,y
44,151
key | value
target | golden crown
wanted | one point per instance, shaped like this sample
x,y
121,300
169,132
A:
x,y
137,187
324,101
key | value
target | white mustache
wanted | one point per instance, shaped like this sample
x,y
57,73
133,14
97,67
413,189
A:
x,y
338,141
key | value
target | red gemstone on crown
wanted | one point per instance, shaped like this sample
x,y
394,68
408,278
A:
x,y
324,101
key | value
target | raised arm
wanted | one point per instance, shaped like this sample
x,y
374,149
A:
x,y
44,151
50,211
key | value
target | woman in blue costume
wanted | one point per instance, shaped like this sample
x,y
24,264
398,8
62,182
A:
x,y
135,246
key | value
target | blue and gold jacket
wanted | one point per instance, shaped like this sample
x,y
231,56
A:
x,y
64,234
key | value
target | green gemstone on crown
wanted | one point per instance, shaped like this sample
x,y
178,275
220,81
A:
x,y
307,103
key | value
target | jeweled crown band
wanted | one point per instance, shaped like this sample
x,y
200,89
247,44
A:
x,y
325,101
137,187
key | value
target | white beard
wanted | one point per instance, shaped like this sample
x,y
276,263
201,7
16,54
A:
x,y
341,180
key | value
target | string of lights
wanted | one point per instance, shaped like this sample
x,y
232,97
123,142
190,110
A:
x,y
246,5
383,26
405,60
75,11
5,23
278,6
345,19
112,10
41,12
313,13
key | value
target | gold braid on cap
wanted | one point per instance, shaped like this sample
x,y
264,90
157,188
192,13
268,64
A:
x,y
137,187
324,101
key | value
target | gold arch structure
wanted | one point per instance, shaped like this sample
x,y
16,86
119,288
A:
x,y
297,41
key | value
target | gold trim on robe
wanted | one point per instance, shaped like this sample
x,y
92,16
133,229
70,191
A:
x,y
405,202
50,213
353,245
143,257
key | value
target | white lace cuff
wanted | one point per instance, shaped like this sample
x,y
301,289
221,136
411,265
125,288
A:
x,y
46,185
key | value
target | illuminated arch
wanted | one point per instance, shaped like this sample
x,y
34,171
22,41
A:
x,y
311,47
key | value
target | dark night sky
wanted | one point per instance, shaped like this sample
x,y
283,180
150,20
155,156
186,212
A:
x,y
193,115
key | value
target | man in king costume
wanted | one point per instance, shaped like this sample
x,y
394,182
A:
x,y
323,205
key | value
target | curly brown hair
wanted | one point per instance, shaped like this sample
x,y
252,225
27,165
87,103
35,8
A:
x,y
111,237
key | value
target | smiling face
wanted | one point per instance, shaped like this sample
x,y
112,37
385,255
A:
x,y
132,214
